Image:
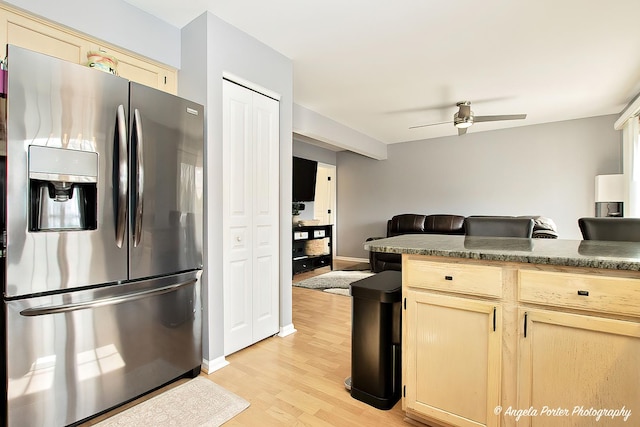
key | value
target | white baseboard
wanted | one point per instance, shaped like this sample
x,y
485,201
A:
x,y
348,258
286,330
210,366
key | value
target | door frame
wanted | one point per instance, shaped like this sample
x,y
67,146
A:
x,y
332,202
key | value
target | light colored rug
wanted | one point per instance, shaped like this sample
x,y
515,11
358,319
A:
x,y
198,402
338,291
333,279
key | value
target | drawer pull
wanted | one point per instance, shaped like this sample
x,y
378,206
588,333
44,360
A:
x,y
583,293
448,277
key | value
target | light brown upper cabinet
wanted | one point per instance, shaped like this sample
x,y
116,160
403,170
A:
x,y
30,32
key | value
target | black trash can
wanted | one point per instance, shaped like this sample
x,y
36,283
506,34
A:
x,y
375,339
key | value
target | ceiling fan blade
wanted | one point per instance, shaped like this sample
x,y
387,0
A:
x,y
462,131
498,118
445,106
430,124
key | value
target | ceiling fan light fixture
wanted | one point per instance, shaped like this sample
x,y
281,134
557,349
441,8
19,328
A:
x,y
462,122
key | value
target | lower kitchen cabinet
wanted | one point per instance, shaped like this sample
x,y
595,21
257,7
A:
x,y
451,358
572,363
563,352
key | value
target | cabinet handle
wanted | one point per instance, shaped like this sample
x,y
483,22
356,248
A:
x,y
525,324
583,293
448,277
494,319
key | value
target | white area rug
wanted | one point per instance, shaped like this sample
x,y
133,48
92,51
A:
x,y
333,279
198,402
339,291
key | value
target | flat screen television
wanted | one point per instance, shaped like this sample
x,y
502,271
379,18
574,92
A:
x,y
304,179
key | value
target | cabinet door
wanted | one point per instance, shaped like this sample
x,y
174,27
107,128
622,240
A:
x,y
39,35
143,72
35,35
576,365
452,358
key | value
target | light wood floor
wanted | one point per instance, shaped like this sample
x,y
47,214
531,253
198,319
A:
x,y
298,380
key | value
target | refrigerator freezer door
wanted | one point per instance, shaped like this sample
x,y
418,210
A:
x,y
166,151
73,355
69,113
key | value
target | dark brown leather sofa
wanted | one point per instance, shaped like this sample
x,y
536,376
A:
x,y
439,224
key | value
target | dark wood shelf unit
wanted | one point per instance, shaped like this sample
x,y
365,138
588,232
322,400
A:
x,y
302,261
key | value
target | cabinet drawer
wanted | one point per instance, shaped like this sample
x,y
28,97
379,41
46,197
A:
x,y
322,261
614,295
300,235
458,278
300,265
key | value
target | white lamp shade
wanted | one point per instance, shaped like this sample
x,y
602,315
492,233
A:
x,y
610,188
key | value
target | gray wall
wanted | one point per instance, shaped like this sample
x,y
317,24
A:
x,y
211,47
115,22
546,169
313,152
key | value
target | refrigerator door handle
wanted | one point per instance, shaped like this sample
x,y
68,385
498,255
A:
x,y
123,176
137,226
65,308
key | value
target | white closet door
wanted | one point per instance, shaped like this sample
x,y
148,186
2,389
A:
x,y
250,216
266,295
237,246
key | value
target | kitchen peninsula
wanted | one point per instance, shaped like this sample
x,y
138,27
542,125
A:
x,y
499,331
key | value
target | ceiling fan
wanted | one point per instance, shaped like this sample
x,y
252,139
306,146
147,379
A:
x,y
464,118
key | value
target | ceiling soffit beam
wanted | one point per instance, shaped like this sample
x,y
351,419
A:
x,y
313,125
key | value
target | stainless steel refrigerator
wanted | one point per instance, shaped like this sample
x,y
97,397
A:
x,y
102,219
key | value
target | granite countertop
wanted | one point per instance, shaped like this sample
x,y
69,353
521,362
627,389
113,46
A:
x,y
572,253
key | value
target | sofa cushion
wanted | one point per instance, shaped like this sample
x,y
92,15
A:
x,y
444,224
405,224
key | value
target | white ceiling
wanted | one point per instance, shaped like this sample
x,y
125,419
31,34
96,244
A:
x,y
380,66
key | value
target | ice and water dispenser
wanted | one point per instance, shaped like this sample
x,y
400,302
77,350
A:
x,y
62,189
